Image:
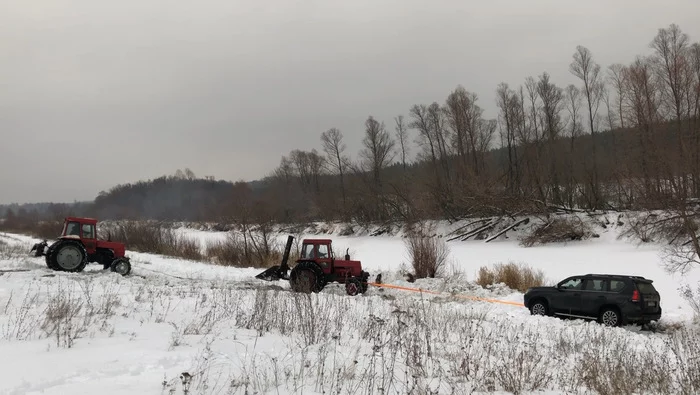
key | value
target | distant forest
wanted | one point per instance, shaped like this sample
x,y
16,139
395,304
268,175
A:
x,y
626,136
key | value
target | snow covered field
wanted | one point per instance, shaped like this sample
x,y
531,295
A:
x,y
98,332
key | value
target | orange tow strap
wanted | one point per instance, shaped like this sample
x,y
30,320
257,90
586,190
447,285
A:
x,y
447,294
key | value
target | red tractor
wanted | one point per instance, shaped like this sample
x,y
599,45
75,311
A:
x,y
78,245
316,267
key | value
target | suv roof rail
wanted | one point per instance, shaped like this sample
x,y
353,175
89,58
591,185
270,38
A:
x,y
613,275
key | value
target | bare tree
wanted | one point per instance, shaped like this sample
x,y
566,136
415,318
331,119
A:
x,y
573,105
378,148
694,110
509,108
643,103
402,138
426,139
535,136
617,75
459,119
586,69
334,148
438,127
487,129
420,122
308,166
552,100
671,47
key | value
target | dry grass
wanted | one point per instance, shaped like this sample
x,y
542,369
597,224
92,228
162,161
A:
x,y
558,230
515,276
48,230
10,251
403,346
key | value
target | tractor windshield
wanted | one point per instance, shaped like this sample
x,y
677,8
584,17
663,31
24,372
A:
x,y
72,229
307,251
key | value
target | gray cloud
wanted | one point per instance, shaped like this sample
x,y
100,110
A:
x,y
98,93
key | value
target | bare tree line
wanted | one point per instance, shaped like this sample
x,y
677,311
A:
x,y
626,136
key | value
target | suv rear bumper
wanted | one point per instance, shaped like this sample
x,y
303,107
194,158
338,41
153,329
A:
x,y
642,318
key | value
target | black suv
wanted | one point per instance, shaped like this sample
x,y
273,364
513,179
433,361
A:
x,y
611,299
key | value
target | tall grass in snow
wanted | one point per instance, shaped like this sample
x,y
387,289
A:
x,y
261,341
515,276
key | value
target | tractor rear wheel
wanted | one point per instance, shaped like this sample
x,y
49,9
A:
x,y
121,266
67,256
307,277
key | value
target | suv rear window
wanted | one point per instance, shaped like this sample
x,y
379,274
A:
x,y
646,288
616,285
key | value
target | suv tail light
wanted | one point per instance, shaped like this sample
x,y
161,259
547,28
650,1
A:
x,y
635,296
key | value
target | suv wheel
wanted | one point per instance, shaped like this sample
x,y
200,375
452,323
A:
x,y
538,308
610,317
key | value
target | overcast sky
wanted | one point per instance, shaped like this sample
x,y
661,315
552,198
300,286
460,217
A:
x,y
96,93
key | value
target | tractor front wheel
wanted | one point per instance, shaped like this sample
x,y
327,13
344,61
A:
x,y
353,287
67,256
121,266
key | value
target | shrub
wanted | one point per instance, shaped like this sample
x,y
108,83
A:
x,y
428,254
156,239
650,227
517,277
558,230
250,251
693,298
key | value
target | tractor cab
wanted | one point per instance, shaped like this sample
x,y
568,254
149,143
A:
x,y
320,251
83,229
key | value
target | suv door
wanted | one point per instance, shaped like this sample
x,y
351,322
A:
x,y
567,300
595,294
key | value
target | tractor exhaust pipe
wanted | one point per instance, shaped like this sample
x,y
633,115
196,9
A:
x,y
279,272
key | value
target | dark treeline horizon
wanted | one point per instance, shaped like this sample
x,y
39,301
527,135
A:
x,y
626,136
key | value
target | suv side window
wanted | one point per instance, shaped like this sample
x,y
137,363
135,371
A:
x,y
573,284
595,285
616,285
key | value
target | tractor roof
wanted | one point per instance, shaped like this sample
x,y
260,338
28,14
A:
x,y
82,220
317,241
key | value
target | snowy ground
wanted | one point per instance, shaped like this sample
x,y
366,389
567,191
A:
x,y
97,332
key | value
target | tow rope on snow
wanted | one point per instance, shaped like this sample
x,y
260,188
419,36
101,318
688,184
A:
x,y
381,285
462,296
